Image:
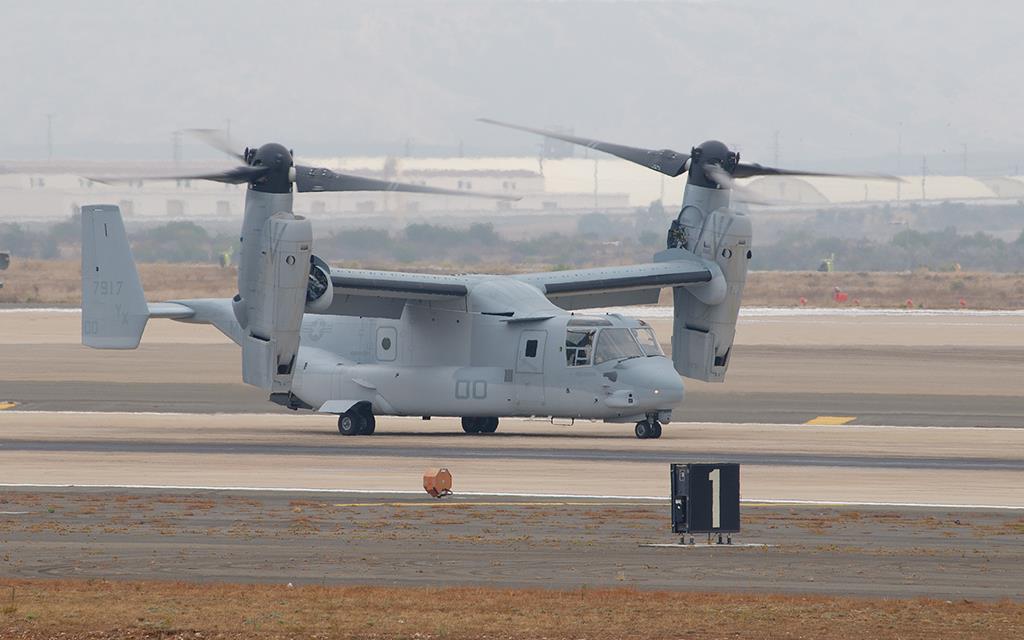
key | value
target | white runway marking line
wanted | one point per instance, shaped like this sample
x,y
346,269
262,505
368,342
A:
x,y
705,545
580,423
563,496
658,311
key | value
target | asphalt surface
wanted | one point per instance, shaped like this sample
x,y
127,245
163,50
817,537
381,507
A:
x,y
505,542
954,410
561,453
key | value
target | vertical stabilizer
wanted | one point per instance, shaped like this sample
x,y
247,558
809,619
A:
x,y
114,310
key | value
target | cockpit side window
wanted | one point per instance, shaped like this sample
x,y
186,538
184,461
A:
x,y
648,341
579,344
616,344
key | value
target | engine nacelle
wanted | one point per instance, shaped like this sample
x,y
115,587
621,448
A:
x,y
705,317
320,289
274,307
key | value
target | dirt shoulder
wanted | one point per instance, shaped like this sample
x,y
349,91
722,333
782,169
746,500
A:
x,y
58,282
100,609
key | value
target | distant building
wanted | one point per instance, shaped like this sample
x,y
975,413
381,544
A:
x,y
49,191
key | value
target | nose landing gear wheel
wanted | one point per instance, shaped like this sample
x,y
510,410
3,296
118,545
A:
x,y
648,429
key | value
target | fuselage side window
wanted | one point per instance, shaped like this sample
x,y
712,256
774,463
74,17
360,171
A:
x,y
578,346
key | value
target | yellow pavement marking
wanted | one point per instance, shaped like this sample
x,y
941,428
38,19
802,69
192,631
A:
x,y
7,405
832,420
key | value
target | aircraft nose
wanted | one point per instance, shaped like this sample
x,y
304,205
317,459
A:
x,y
657,383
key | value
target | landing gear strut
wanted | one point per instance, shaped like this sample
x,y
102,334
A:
x,y
479,425
357,421
648,428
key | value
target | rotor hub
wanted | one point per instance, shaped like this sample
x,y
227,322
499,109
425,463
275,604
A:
x,y
278,160
710,152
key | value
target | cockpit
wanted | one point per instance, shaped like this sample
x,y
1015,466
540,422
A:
x,y
594,340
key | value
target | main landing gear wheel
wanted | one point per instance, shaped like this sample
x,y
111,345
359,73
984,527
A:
x,y
648,429
479,425
356,422
369,425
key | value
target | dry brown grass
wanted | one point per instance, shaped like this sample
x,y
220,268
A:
x,y
100,609
888,290
58,282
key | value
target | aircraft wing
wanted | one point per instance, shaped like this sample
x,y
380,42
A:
x,y
383,294
615,286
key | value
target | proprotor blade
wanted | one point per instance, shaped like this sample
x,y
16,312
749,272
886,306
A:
x,y
238,175
671,163
218,140
748,170
721,177
320,179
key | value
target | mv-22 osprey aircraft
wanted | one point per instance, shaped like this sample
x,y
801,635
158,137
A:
x,y
363,343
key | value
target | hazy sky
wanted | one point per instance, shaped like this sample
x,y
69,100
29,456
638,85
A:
x,y
836,79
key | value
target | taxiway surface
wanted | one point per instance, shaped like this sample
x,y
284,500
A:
x,y
941,370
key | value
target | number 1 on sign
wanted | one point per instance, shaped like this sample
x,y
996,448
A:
x,y
714,477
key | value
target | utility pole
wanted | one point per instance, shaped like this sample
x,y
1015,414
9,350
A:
x,y
899,162
176,147
924,176
899,149
49,137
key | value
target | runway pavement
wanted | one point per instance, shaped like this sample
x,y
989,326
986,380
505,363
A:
x,y
949,465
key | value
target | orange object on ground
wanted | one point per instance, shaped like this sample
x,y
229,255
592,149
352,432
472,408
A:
x,y
910,303
803,301
963,303
437,482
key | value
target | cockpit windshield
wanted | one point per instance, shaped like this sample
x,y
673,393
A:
x,y
616,344
648,341
587,345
